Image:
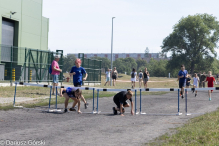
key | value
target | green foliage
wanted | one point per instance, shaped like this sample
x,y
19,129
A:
x,y
193,41
68,62
105,62
146,52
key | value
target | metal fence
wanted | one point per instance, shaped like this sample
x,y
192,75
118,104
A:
x,y
93,69
27,65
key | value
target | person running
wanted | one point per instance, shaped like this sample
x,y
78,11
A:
x,y
188,81
195,83
210,79
114,76
120,101
133,78
202,80
182,75
75,94
107,77
77,72
55,73
140,78
145,77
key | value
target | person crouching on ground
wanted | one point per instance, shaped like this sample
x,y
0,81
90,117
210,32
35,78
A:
x,y
77,71
210,79
120,101
74,94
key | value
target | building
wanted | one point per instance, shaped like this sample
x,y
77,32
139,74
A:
x,y
119,55
21,26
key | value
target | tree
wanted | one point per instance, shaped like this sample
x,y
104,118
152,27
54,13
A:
x,y
105,62
146,53
194,38
141,64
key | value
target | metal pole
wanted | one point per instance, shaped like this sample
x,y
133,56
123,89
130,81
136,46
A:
x,y
186,100
93,100
50,96
178,100
135,103
15,92
56,97
112,51
140,101
97,99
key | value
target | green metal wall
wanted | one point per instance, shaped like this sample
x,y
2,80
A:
x,y
33,28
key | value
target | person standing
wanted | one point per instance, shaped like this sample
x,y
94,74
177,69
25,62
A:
x,y
55,73
202,80
210,79
114,76
77,72
145,78
140,78
182,75
195,83
217,76
107,77
133,78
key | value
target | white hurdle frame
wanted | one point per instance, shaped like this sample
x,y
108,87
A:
x,y
50,86
160,89
195,89
107,89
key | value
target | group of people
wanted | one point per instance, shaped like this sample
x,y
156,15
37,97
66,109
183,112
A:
x,y
74,93
141,77
198,79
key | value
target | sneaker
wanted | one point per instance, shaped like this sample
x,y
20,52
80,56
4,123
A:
x,y
72,109
85,105
114,111
182,97
209,99
195,95
66,110
53,93
132,87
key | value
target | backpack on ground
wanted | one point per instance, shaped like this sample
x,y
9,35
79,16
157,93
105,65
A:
x,y
133,75
50,69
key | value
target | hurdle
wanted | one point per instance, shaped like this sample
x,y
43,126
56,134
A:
x,y
159,89
195,89
50,86
107,89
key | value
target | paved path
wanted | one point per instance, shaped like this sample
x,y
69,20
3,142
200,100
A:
x,y
103,129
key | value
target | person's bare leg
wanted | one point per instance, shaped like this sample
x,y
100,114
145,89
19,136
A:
x,y
134,84
83,99
75,102
53,88
66,99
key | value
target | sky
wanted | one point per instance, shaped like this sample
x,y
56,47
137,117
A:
x,y
85,26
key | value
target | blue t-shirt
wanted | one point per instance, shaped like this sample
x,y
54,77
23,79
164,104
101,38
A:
x,y
184,73
77,78
69,92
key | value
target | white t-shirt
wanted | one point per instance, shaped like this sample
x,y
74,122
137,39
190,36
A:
x,y
135,74
195,81
108,74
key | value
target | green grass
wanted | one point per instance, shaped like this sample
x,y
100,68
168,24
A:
x,y
202,130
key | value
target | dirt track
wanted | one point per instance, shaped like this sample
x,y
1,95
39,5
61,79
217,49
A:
x,y
103,129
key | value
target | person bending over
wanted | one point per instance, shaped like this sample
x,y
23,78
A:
x,y
75,94
120,101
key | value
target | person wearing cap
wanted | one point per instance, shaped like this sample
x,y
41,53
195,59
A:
x,y
77,72
55,73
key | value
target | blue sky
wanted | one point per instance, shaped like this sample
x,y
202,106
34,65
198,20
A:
x,y
84,26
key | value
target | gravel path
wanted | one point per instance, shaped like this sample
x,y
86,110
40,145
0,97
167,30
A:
x,y
103,129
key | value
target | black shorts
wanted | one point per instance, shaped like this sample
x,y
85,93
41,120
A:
x,y
181,84
77,84
118,103
188,84
114,77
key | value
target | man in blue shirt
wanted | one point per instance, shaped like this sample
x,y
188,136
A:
x,y
77,71
182,75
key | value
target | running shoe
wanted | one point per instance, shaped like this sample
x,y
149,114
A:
x,y
86,105
195,95
66,110
209,99
72,109
182,96
114,111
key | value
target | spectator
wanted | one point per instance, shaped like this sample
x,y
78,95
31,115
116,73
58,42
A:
x,y
114,76
55,73
107,77
133,78
140,78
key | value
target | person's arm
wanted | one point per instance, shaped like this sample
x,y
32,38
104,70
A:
x,y
71,73
85,78
132,108
62,89
79,105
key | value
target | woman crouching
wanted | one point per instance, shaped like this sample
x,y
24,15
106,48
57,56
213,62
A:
x,y
120,100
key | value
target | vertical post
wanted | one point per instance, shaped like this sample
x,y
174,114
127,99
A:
x,y
50,96
97,99
29,67
37,79
93,100
186,101
25,57
111,52
11,65
41,65
178,100
15,92
56,97
135,103
140,101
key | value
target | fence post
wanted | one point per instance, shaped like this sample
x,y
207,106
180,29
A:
x,y
25,58
11,65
